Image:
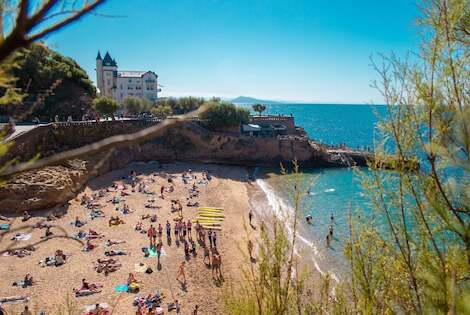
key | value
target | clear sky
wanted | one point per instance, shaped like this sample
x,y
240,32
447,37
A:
x,y
299,50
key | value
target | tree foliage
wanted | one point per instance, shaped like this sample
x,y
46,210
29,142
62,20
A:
x,y
260,108
181,105
161,111
50,84
223,115
106,106
136,105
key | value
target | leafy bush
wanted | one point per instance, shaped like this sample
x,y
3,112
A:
x,y
223,115
162,111
105,106
181,105
135,105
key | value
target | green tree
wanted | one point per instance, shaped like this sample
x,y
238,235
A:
x,y
105,106
260,108
223,115
51,84
135,105
182,105
161,111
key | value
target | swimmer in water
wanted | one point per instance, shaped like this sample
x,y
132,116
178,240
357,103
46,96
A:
x,y
309,219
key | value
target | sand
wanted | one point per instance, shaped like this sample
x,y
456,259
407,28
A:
x,y
227,189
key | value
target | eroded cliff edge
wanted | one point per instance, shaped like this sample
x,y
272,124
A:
x,y
185,141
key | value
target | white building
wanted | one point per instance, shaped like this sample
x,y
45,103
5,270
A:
x,y
121,84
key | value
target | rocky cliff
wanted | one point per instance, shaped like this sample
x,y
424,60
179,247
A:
x,y
186,141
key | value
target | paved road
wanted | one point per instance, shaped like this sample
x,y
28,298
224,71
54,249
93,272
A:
x,y
19,129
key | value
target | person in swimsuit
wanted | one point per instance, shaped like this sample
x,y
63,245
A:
x,y
181,272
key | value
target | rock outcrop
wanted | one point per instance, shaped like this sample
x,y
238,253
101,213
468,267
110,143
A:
x,y
186,141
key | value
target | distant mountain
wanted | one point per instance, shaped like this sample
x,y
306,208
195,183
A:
x,y
251,100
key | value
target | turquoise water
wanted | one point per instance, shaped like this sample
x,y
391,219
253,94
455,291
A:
x,y
336,191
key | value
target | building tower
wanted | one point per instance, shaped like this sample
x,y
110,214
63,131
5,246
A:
x,y
99,72
109,75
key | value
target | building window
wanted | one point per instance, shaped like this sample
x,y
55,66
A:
x,y
121,87
130,80
108,82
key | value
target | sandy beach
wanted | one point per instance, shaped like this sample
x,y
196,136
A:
x,y
53,286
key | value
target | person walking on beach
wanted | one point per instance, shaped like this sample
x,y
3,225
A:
x,y
159,251
209,235
168,229
330,230
214,239
328,240
195,310
181,272
151,233
162,189
160,233
216,262
189,226
250,216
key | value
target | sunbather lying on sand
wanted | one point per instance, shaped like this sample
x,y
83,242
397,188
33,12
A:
x,y
78,223
114,253
87,289
92,235
107,266
27,281
114,221
20,253
26,216
88,246
96,213
114,242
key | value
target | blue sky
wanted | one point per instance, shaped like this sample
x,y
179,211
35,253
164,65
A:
x,y
298,50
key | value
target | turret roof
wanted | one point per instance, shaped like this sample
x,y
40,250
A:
x,y
108,61
99,56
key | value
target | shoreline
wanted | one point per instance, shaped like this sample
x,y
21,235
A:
x,y
269,201
227,189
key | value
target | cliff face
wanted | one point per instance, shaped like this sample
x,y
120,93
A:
x,y
186,141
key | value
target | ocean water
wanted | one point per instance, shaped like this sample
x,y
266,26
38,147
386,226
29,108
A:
x,y
335,192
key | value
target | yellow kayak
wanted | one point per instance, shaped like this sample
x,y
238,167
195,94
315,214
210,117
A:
x,y
206,218
209,215
210,222
211,210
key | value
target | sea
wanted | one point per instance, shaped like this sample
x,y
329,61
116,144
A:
x,y
333,194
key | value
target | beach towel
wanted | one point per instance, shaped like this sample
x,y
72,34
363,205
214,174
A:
x,y
153,252
21,237
4,226
140,267
121,288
